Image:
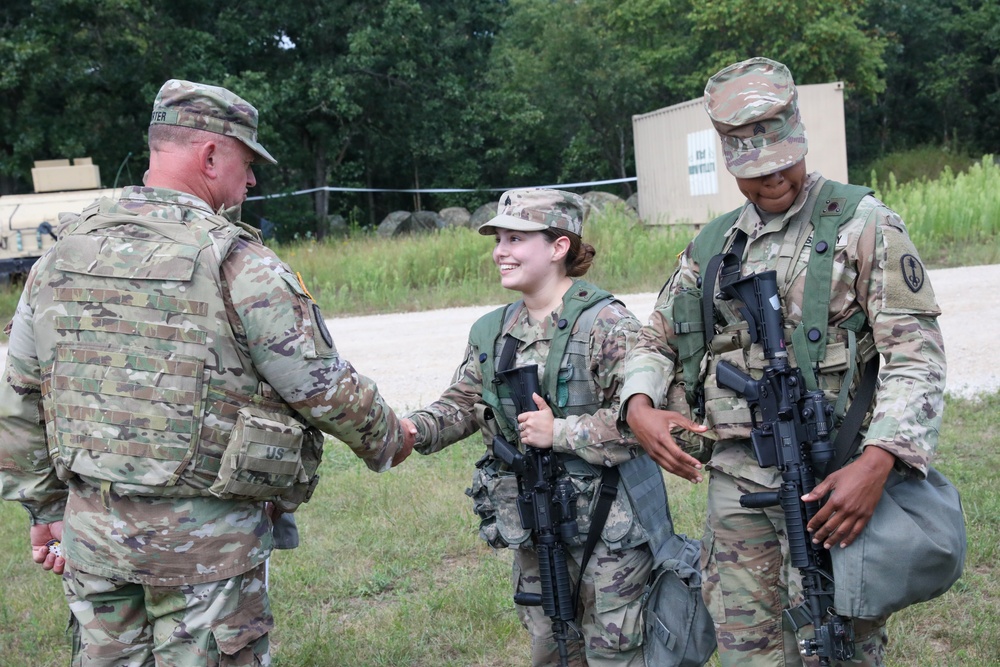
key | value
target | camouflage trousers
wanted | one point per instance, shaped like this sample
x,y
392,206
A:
x,y
610,602
120,624
749,581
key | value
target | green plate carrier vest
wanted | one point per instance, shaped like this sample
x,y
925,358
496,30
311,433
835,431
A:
x,y
834,206
567,390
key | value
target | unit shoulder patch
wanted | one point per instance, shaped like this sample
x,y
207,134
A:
x,y
906,288
913,272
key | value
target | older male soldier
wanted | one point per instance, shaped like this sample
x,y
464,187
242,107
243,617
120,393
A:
x,y
167,380
880,303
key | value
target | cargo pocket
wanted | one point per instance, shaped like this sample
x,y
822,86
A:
x,y
729,415
263,458
710,586
503,492
73,628
242,637
308,476
619,523
482,503
619,584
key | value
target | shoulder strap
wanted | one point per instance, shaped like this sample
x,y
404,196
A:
x,y
643,479
483,338
693,334
723,268
849,432
835,206
581,298
712,239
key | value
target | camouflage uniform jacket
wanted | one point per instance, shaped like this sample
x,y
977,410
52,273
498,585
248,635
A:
x,y
592,437
586,441
877,272
275,348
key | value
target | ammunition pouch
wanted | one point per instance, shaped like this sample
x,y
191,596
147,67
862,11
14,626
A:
x,y
728,414
495,491
269,456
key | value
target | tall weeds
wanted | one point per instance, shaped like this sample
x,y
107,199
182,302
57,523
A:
x,y
954,219
366,273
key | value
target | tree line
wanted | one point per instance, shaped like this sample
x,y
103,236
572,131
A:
x,y
471,94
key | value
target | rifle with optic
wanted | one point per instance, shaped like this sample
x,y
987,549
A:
x,y
791,431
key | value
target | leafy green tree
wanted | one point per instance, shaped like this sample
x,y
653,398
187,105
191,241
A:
x,y
68,82
942,75
566,79
470,93
568,76
819,40
79,76
369,96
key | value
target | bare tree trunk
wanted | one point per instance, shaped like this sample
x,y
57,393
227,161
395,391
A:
x,y
416,185
368,183
621,162
321,198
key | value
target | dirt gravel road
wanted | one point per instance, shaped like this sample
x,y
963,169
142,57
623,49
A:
x,y
412,356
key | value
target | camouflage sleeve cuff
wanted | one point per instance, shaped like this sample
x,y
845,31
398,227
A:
x,y
46,513
906,464
560,437
626,394
631,389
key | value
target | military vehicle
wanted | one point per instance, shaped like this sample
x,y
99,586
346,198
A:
x,y
28,223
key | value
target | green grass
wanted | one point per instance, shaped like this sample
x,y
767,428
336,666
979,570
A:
x,y
366,273
391,571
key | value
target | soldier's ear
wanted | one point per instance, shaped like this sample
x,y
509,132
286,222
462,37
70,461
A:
x,y
208,158
559,248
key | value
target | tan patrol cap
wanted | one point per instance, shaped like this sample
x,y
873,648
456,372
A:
x,y
209,108
754,107
537,209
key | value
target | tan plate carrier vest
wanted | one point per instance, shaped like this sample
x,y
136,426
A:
x,y
146,380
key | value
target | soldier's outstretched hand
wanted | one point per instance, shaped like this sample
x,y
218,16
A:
x,y
652,428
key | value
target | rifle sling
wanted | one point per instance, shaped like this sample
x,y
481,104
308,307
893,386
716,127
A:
x,y
711,275
506,361
849,432
607,493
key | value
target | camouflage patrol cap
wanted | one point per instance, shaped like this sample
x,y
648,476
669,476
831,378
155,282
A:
x,y
208,108
754,107
537,209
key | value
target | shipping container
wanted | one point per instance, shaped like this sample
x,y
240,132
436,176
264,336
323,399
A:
x,y
682,177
